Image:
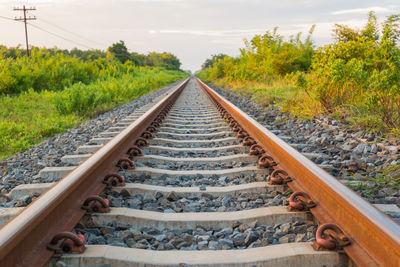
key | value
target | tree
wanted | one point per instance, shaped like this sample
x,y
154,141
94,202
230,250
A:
x,y
391,26
371,29
210,61
118,51
138,59
345,33
164,60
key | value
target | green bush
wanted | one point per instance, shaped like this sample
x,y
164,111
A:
x,y
30,117
265,57
88,100
48,69
361,70
357,76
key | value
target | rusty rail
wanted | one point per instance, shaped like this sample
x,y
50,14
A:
x,y
375,238
23,240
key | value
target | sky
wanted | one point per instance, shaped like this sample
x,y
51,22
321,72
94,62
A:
x,y
193,30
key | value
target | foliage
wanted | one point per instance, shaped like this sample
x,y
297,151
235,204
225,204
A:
x,y
264,58
84,100
54,69
210,61
54,90
357,76
362,71
165,60
30,117
44,70
85,55
118,51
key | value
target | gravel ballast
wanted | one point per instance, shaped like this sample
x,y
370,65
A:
x,y
351,155
197,180
238,236
173,202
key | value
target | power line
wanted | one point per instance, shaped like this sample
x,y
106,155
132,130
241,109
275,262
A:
x,y
7,18
78,35
59,36
25,19
49,32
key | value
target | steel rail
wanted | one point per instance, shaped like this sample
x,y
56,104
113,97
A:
x,y
23,239
375,237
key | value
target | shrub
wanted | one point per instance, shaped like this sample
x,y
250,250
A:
x,y
358,75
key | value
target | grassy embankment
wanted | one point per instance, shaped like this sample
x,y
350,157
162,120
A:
x,y
48,94
355,79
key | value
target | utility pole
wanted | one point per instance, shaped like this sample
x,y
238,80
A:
x,y
25,18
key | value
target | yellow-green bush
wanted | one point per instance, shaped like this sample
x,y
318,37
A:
x,y
357,76
362,70
265,57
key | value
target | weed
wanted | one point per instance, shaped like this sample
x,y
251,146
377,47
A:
x,y
30,117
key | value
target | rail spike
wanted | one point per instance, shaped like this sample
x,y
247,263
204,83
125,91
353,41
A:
x,y
300,201
151,129
147,135
266,161
237,128
330,236
158,120
96,203
155,124
141,142
233,123
134,151
114,179
279,177
125,164
248,141
67,242
242,134
229,119
256,150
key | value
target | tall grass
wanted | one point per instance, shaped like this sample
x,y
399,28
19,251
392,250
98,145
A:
x,y
29,117
84,100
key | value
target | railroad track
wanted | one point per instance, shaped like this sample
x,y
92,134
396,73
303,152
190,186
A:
x,y
192,180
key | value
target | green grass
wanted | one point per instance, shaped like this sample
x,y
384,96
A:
x,y
387,179
285,94
30,117
280,92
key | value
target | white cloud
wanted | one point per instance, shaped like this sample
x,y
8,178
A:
x,y
377,9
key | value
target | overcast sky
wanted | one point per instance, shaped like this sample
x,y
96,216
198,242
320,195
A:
x,y
190,29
